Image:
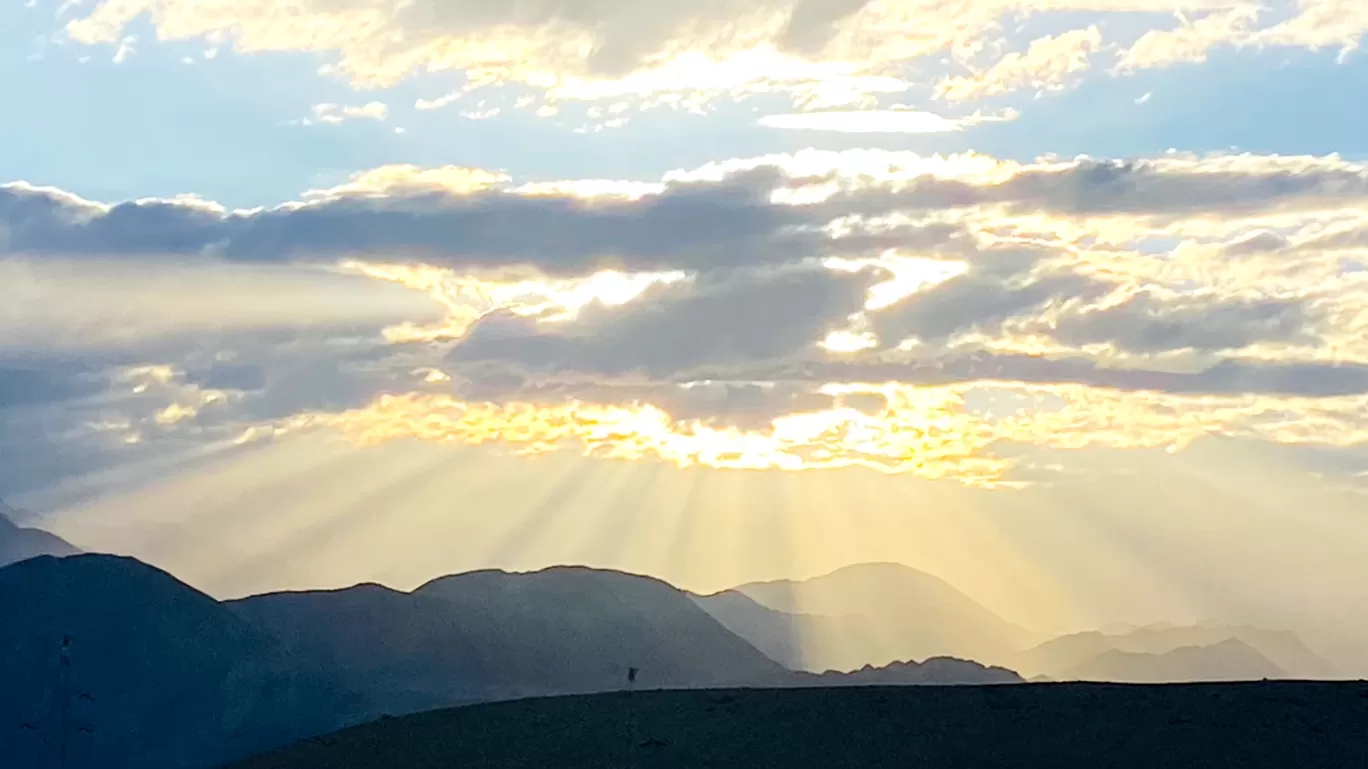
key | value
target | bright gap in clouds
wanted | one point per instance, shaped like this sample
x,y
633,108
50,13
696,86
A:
x,y
467,298
56,302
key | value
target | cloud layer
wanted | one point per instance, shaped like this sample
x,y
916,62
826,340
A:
x,y
824,53
876,309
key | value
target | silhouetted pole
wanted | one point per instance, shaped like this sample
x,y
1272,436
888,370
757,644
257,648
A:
x,y
631,718
63,701
62,698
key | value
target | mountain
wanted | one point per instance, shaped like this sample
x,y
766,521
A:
x,y
937,671
870,614
165,676
783,637
493,634
1230,660
178,680
18,543
1062,726
1284,649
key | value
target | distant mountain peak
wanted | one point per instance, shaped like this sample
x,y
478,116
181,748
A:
x,y
19,543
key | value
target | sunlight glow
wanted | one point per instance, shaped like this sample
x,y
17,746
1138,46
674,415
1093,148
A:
x,y
83,302
467,298
930,432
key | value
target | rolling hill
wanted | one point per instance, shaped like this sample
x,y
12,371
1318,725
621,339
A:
x,y
1250,726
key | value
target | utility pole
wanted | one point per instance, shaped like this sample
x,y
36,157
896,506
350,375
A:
x,y
631,719
62,699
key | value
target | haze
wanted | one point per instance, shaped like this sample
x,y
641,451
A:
x,y
1066,305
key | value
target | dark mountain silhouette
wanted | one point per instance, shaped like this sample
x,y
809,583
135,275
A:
x,y
180,680
1230,660
174,678
492,634
865,614
1062,726
937,671
1282,648
18,543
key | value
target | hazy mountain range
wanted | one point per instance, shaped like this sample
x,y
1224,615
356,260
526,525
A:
x,y
879,613
178,679
861,615
18,542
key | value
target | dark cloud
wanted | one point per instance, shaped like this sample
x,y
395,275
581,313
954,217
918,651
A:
x,y
695,226
980,300
812,23
733,320
229,376
1103,187
692,225
1144,324
1230,377
38,382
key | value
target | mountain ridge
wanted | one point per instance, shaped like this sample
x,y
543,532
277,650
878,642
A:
x,y
862,614
19,543
281,666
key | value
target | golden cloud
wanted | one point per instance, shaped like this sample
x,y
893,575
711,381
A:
x,y
926,431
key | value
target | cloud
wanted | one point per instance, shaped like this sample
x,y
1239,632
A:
x,y
881,121
82,305
743,214
1319,24
126,50
1047,65
975,302
335,114
729,320
1191,40
710,317
821,54
930,431
1144,323
566,46
27,383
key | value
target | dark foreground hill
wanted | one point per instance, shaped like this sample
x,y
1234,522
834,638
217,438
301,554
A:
x,y
1203,726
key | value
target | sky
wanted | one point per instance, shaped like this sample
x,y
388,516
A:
x,y
1064,301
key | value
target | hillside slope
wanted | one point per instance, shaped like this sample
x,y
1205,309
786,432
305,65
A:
x,y
1251,726
18,543
493,634
173,678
